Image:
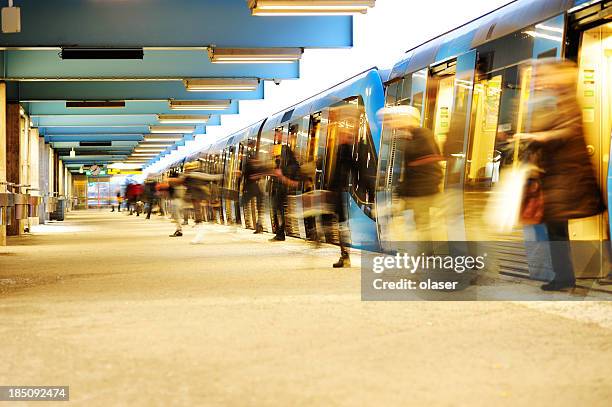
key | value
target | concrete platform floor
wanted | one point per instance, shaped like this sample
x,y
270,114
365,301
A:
x,y
124,315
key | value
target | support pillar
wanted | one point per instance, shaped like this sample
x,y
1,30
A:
x,y
13,155
2,151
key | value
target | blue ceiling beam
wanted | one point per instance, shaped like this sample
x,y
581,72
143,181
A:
x,y
131,107
118,90
103,120
90,158
83,131
107,120
156,64
164,23
94,137
106,129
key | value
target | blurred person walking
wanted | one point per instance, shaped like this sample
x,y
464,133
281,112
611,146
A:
x,y
338,186
119,201
253,172
285,175
199,188
421,174
557,145
133,193
150,196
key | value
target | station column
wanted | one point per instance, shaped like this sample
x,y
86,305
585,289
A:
x,y
2,152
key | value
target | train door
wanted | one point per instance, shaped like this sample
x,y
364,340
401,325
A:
x,y
297,143
448,114
229,188
595,95
411,91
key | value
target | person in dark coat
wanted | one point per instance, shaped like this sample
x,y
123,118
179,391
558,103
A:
x,y
150,196
286,174
253,171
338,185
569,187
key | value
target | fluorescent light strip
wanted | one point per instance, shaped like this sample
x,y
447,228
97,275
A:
x,y
220,85
182,119
309,7
157,145
171,129
199,104
161,139
254,55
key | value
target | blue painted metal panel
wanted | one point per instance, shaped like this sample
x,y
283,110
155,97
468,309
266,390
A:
x,y
460,44
131,107
106,120
226,23
125,90
156,64
93,137
81,130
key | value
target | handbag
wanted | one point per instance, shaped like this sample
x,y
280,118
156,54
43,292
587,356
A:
x,y
532,205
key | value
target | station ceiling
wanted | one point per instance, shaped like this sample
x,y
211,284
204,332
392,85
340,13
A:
x,y
144,54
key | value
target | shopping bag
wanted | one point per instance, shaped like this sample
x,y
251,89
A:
x,y
503,212
318,202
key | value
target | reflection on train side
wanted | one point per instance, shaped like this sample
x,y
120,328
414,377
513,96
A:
x,y
474,91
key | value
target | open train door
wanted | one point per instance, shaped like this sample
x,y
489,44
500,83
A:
x,y
455,148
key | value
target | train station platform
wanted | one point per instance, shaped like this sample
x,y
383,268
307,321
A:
x,y
113,307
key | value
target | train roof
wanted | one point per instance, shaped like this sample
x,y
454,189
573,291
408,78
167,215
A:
x,y
489,27
315,103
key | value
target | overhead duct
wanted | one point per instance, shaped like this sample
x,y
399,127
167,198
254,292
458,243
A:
x,y
95,104
101,53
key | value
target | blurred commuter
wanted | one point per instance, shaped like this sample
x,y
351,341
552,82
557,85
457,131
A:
x,y
556,140
174,193
150,196
199,188
285,175
253,172
119,200
418,188
338,185
133,193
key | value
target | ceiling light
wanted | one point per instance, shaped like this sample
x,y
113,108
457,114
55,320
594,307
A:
x,y
221,85
148,150
101,53
180,119
254,55
171,129
200,104
72,153
153,145
144,154
165,138
309,7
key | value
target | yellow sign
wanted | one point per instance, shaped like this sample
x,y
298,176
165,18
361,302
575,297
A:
x,y
117,171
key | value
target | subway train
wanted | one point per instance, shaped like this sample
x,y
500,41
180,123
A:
x,y
472,86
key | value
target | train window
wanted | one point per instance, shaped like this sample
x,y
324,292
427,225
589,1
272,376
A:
x,y
292,139
405,96
350,116
391,96
417,91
